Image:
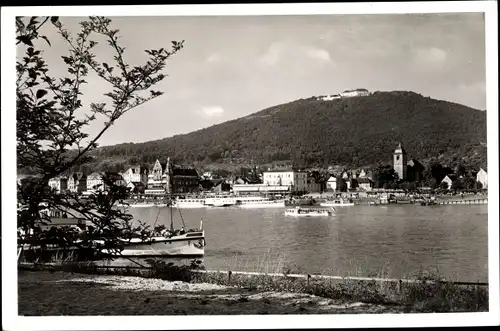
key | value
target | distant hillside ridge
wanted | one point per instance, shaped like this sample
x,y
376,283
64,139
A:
x,y
353,131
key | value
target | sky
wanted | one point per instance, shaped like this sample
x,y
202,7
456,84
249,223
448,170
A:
x,y
232,66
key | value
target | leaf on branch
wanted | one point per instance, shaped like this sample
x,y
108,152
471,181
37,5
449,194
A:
x,y
156,93
25,40
33,21
54,19
47,40
67,60
40,93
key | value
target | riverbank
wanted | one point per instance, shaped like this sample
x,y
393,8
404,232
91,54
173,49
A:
x,y
182,290
44,293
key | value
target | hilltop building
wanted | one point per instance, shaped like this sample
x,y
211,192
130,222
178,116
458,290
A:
x,y
360,92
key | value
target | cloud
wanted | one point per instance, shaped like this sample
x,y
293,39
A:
x,y
473,88
272,55
214,58
212,111
284,51
432,55
318,54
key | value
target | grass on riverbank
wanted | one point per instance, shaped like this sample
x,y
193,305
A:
x,y
433,294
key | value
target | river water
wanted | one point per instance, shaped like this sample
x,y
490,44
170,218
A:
x,y
385,241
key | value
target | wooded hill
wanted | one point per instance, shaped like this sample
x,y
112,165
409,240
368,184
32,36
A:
x,y
351,132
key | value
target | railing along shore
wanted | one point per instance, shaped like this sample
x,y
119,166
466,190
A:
x,y
229,273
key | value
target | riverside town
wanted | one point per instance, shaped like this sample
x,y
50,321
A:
x,y
282,175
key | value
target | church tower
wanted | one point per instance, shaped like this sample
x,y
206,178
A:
x,y
168,173
400,162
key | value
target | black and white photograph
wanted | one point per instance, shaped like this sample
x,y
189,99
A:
x,y
250,166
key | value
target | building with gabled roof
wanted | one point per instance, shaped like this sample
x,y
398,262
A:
x,y
482,177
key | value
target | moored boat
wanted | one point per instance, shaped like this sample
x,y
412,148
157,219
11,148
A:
x,y
300,211
188,202
177,244
141,204
337,203
220,201
168,243
259,202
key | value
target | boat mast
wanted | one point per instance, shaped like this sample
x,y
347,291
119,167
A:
x,y
169,194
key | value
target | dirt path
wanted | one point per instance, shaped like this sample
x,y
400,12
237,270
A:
x,y
59,293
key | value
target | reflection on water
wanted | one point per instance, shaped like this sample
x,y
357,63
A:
x,y
391,241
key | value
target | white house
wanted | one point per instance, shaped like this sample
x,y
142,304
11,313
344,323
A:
x,y
482,177
331,184
365,184
59,183
295,179
447,179
136,174
94,180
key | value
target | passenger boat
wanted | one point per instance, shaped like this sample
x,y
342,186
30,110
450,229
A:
x,y
337,203
189,202
220,201
259,202
300,211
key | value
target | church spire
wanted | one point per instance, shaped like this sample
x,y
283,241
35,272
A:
x,y
400,149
